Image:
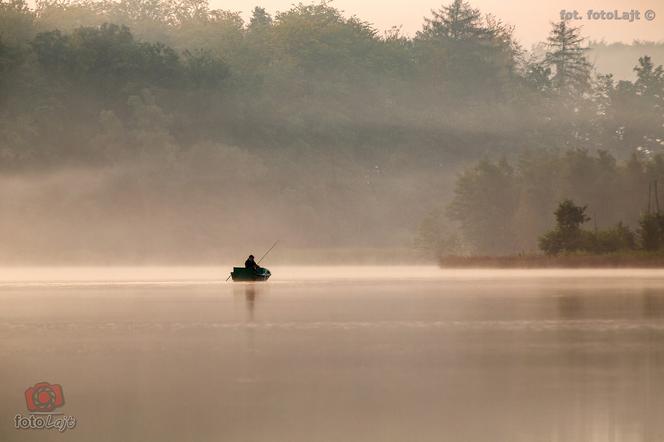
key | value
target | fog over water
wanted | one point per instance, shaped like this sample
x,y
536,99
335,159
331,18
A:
x,y
327,354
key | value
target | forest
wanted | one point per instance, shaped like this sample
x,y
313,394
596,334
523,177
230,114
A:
x,y
143,131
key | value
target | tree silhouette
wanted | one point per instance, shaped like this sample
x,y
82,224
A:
x,y
567,56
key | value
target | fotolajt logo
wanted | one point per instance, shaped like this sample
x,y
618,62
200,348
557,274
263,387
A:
x,y
43,400
44,397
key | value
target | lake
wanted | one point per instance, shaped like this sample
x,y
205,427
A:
x,y
336,354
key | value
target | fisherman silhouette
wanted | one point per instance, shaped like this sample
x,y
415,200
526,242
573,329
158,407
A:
x,y
251,264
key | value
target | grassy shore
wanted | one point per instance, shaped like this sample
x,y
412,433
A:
x,y
618,260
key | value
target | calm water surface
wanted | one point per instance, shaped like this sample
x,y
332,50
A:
x,y
337,354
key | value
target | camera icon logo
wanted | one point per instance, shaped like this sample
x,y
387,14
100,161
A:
x,y
44,397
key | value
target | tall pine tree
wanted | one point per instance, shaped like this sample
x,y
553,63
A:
x,y
567,56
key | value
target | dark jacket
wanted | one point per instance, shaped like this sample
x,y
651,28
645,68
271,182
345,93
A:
x,y
250,264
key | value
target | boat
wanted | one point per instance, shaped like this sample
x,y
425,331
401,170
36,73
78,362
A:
x,y
245,274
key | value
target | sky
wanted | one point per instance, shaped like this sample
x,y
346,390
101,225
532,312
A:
x,y
530,17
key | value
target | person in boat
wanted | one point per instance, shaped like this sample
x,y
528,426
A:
x,y
251,264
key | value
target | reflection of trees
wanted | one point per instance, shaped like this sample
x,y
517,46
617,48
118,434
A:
x,y
569,306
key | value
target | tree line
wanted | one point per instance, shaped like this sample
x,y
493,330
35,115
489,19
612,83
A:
x,y
309,76
504,207
569,236
338,120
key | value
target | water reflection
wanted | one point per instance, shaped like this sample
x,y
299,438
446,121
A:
x,y
569,306
250,297
474,359
248,293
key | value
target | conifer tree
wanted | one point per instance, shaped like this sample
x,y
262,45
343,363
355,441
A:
x,y
566,54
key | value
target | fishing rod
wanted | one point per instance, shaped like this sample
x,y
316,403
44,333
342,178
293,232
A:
x,y
269,250
259,261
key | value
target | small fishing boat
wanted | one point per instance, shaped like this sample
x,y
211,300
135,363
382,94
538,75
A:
x,y
251,270
245,274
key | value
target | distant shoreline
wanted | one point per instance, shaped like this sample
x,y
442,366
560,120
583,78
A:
x,y
560,261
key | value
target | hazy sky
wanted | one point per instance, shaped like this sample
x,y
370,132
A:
x,y
530,17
